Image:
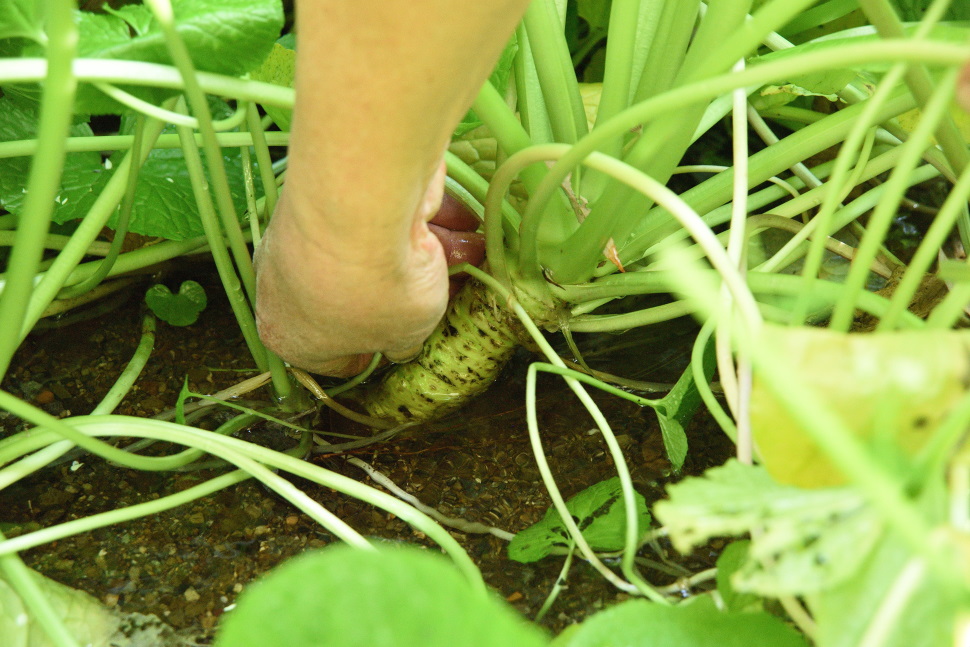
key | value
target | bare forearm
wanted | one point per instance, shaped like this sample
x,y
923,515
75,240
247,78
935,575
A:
x,y
349,264
381,85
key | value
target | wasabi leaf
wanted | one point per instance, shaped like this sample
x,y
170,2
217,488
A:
x,y
928,618
600,515
803,541
892,389
164,204
180,309
691,624
384,598
23,19
222,36
730,561
18,121
279,68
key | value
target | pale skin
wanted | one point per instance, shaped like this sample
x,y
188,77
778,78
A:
x,y
349,265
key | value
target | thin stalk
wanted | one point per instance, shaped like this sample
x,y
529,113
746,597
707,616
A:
x,y
703,388
210,224
658,151
137,73
632,538
625,321
121,228
629,502
687,217
841,184
263,162
952,309
66,430
213,153
677,99
556,587
620,49
847,214
668,47
735,371
132,370
555,69
818,15
596,383
120,515
715,192
138,259
54,241
245,455
926,253
881,219
881,14
25,147
45,178
529,102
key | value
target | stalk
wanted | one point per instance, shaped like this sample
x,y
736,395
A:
x,y
461,359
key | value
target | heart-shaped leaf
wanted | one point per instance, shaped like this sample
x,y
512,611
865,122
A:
x,y
180,309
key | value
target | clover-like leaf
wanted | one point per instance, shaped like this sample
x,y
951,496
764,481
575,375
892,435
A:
x,y
180,309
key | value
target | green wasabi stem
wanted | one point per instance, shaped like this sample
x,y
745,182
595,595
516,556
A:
x,y
460,360
126,380
44,181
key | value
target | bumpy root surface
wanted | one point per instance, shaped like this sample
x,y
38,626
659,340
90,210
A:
x,y
463,356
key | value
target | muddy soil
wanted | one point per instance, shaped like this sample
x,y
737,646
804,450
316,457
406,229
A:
x,y
188,565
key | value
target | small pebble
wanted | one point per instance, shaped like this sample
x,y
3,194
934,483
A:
x,y
191,595
292,520
44,397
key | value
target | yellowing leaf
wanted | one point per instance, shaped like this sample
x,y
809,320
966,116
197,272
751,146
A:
x,y
892,389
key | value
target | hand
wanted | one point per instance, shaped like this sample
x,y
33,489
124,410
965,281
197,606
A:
x,y
329,314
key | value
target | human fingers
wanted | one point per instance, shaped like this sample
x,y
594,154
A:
x,y
455,216
460,246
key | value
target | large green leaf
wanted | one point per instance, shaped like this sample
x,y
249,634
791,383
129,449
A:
x,y
394,596
18,121
600,515
22,19
164,204
696,624
222,36
803,541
